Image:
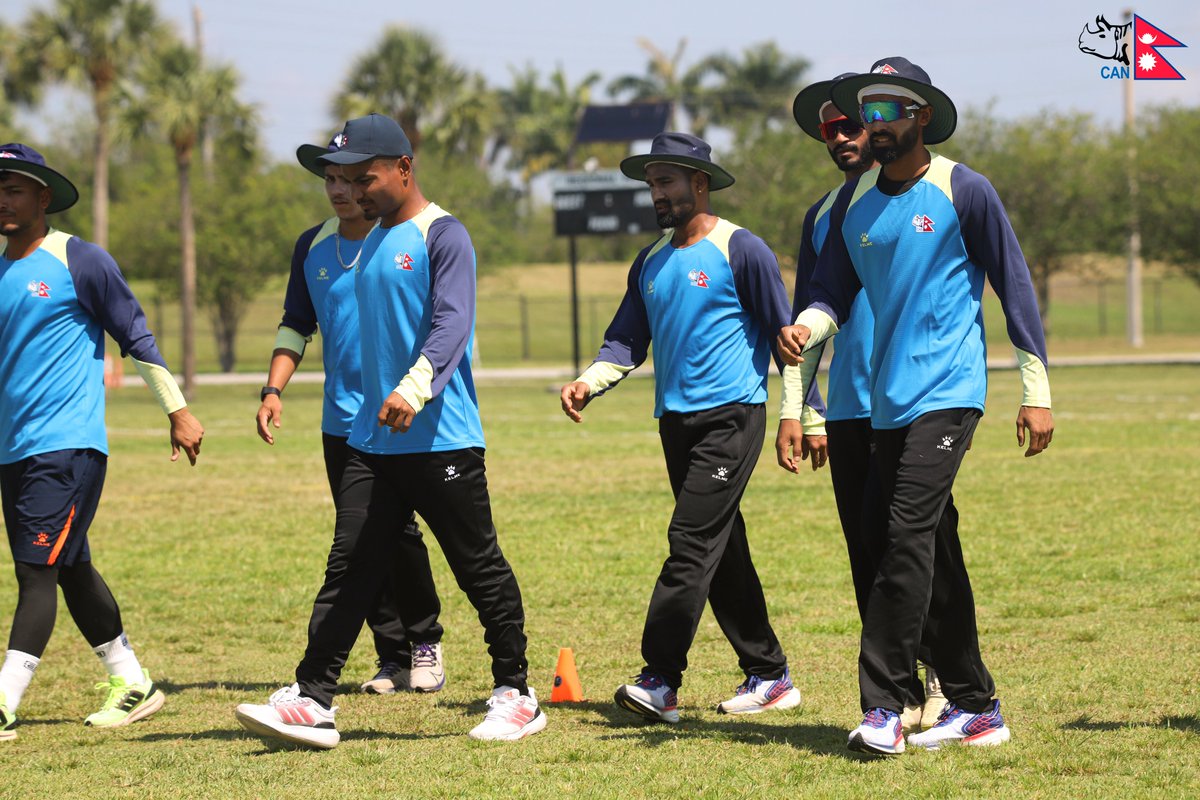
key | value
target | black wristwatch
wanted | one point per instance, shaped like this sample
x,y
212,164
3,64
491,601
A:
x,y
266,390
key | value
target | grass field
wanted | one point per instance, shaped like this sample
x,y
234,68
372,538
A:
x,y
1084,562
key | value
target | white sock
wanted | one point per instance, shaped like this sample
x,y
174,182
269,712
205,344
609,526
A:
x,y
15,676
118,658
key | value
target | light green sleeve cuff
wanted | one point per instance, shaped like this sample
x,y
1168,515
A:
x,y
288,339
417,386
820,323
812,422
162,383
602,376
791,403
1035,383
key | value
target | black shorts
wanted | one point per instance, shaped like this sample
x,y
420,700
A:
x,y
49,502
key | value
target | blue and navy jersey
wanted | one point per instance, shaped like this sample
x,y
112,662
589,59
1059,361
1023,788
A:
x,y
320,294
849,390
416,297
55,305
712,309
921,256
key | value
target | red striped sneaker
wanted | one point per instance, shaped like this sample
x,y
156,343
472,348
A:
x,y
290,717
511,716
957,725
756,695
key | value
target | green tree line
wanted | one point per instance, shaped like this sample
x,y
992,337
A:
x,y
210,236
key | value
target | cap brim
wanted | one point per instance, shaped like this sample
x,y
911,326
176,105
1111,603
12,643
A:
x,y
307,155
349,157
945,115
635,167
806,108
63,193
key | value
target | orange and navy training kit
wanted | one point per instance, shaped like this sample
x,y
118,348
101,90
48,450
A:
x,y
55,306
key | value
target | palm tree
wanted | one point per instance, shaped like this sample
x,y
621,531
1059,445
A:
x,y
407,76
177,97
94,44
540,121
665,81
755,90
18,75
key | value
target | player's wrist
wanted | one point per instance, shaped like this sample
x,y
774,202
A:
x,y
268,391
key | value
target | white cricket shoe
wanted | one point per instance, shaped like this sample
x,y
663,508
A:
x,y
511,716
428,673
288,716
957,726
650,697
881,733
756,695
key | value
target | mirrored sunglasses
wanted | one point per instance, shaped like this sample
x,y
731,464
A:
x,y
886,111
842,125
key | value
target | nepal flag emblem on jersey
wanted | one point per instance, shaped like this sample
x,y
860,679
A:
x,y
38,289
698,278
922,224
404,261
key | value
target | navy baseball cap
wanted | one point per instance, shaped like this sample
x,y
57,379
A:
x,y
683,149
24,160
368,137
307,155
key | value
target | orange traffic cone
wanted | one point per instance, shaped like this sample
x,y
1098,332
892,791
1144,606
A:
x,y
566,679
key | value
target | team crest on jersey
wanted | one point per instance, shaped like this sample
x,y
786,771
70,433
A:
x,y
698,278
38,289
922,223
404,261
322,274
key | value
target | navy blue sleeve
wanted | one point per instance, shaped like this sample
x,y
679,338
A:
x,y
806,260
627,340
834,283
992,244
298,311
759,285
451,298
105,295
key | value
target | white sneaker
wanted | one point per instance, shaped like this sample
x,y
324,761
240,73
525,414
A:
x,y
428,673
756,695
290,717
880,733
511,716
649,697
935,701
390,678
958,726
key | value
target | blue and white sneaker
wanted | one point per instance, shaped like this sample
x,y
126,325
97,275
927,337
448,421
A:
x,y
956,726
756,695
649,697
881,733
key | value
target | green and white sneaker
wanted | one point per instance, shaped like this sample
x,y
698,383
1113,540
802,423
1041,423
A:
x,y
126,702
8,721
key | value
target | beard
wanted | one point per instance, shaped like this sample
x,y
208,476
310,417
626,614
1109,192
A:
x,y
862,155
678,213
887,151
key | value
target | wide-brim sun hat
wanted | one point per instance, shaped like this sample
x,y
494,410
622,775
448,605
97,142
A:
x,y
682,149
900,74
24,160
806,108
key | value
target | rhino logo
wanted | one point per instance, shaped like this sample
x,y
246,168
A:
x,y
1107,41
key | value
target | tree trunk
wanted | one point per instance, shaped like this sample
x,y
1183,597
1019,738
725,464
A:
x,y
103,143
226,318
187,272
1041,285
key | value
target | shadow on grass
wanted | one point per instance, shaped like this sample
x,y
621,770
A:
x,y
1188,723
170,687
275,745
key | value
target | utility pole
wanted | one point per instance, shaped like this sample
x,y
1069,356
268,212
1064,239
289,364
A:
x,y
1133,278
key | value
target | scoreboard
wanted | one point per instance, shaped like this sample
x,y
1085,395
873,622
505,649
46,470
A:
x,y
603,202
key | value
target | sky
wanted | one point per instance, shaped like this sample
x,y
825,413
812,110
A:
x,y
1019,57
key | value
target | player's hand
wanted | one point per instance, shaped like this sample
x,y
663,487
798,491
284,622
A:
x,y
789,444
574,397
815,449
269,413
1040,423
396,413
790,343
186,434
